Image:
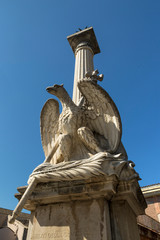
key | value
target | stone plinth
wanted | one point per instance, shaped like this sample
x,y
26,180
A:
x,y
86,219
92,210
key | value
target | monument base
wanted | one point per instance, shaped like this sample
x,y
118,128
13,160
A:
x,y
96,209
88,219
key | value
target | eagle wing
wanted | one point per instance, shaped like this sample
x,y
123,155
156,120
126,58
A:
x,y
102,113
49,124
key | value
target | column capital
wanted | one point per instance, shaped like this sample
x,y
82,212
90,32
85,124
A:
x,y
88,36
83,45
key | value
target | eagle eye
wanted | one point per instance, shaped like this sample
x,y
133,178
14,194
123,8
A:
x,y
58,86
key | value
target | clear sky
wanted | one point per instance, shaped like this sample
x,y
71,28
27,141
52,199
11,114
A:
x,y
34,53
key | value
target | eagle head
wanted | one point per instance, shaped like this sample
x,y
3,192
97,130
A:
x,y
56,90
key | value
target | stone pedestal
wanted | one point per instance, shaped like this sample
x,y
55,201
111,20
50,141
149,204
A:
x,y
125,206
85,210
86,219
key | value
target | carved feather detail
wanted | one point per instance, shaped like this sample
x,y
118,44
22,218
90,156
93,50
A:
x,y
100,165
73,170
98,117
101,113
49,124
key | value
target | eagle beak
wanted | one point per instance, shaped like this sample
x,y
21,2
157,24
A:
x,y
50,89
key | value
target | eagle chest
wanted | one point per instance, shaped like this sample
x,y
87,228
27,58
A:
x,y
68,122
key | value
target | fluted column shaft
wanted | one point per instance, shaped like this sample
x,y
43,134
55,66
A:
x,y
83,64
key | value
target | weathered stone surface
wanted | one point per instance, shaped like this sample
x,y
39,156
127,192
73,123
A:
x,y
130,191
81,210
123,221
76,220
57,192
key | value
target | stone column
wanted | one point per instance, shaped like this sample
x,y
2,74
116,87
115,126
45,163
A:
x,y
83,64
84,45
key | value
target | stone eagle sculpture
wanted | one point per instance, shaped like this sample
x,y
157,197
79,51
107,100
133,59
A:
x,y
83,141
79,131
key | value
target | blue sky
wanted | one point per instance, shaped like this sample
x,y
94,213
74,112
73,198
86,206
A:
x,y
34,53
